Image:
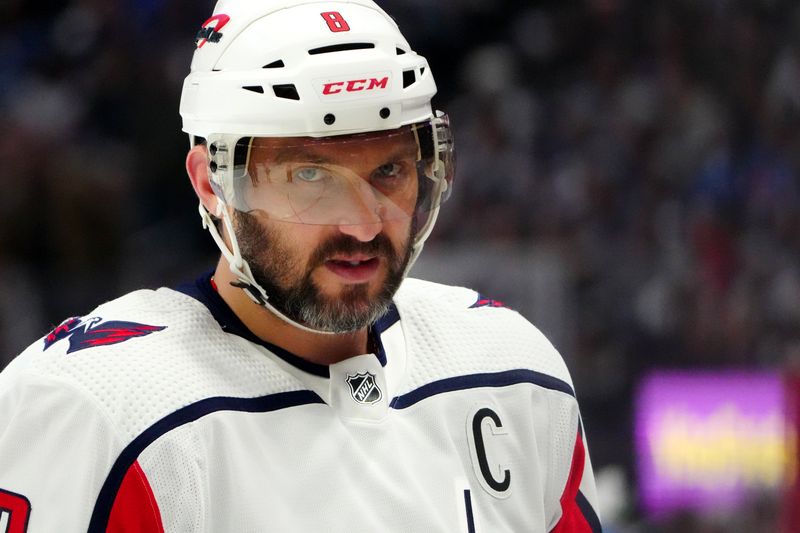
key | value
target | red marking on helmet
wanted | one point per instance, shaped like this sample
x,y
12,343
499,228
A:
x,y
336,21
353,86
332,88
356,85
221,20
378,84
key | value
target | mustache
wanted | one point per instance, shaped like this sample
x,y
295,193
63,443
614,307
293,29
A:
x,y
380,245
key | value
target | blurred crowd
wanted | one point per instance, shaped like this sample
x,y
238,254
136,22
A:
x,y
627,176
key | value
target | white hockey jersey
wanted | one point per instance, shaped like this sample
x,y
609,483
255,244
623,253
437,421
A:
x,y
160,411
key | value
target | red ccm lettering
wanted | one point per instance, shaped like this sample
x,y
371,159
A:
x,y
352,86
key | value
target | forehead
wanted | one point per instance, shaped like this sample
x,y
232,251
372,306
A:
x,y
394,143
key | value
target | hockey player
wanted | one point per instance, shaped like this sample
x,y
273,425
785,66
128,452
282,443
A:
x,y
305,384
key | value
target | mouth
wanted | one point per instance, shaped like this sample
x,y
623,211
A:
x,y
353,269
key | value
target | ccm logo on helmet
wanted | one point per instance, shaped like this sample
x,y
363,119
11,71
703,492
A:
x,y
353,86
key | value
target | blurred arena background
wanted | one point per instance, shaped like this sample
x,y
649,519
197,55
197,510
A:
x,y
627,179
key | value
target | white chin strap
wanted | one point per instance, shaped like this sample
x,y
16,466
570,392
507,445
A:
x,y
240,268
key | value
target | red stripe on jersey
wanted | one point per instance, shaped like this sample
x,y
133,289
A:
x,y
135,509
572,518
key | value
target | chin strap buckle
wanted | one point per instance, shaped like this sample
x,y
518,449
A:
x,y
251,291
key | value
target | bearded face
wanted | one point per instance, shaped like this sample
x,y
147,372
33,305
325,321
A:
x,y
322,277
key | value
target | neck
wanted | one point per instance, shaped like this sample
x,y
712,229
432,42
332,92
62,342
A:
x,y
317,348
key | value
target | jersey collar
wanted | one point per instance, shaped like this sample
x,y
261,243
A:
x,y
203,291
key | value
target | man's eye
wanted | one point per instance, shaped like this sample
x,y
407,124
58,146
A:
x,y
388,170
308,174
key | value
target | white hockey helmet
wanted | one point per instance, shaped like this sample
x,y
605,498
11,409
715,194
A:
x,y
319,73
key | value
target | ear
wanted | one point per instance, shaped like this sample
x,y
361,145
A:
x,y
197,168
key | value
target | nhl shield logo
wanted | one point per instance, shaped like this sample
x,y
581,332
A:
x,y
364,389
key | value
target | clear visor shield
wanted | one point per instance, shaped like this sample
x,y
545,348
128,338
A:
x,y
366,178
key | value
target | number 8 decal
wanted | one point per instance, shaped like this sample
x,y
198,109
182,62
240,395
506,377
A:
x,y
335,21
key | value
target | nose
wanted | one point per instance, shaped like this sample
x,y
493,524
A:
x,y
361,213
362,232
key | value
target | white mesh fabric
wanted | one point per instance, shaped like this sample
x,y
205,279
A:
x,y
445,338
173,466
563,434
146,378
54,449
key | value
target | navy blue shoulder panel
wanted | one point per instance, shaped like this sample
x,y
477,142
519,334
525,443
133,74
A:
x,y
474,381
185,415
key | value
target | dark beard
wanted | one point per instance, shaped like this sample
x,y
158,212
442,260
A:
x,y
273,266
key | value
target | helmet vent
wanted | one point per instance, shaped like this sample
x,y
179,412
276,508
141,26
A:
x,y
287,91
340,48
275,64
400,51
254,88
409,78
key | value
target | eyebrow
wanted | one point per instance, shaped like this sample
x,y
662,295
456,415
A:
x,y
295,153
302,153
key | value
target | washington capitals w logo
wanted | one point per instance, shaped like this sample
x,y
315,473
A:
x,y
93,332
486,302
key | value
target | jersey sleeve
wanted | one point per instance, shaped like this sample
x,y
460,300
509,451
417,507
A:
x,y
578,502
56,448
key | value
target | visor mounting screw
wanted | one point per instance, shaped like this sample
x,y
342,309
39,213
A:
x,y
329,119
385,112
